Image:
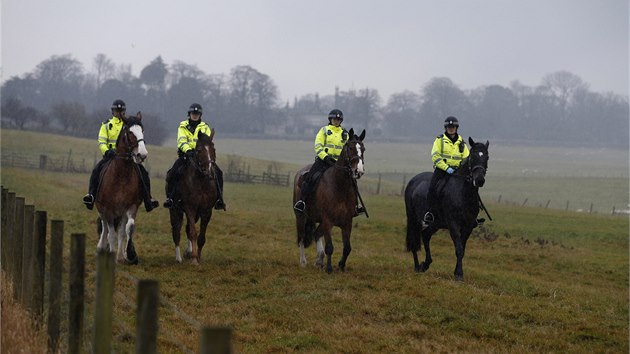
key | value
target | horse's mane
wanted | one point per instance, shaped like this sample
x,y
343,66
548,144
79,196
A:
x,y
133,120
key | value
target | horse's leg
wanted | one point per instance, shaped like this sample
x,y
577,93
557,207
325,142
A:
x,y
111,236
191,231
103,242
320,252
300,226
347,248
130,252
328,248
176,225
414,236
203,225
121,235
426,241
456,236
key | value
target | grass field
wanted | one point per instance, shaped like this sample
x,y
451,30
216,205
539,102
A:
x,y
536,280
584,179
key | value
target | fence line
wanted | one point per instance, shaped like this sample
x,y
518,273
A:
x,y
24,241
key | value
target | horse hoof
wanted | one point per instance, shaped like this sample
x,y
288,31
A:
x,y
133,261
328,269
195,261
187,254
459,278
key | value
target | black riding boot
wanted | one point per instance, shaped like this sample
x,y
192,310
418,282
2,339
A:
x,y
438,174
88,199
172,179
220,204
305,191
149,203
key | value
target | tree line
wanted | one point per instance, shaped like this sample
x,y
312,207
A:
x,y
61,96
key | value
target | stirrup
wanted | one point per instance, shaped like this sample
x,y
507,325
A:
x,y
428,217
360,210
481,221
88,200
168,203
299,206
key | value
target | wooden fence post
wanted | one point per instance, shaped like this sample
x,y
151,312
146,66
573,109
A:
x,y
105,267
548,201
378,186
147,316
27,256
77,290
215,340
4,226
54,284
39,259
404,184
18,234
10,242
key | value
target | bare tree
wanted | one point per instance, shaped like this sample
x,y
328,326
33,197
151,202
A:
x,y
104,69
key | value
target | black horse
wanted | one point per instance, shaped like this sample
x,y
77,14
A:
x,y
457,208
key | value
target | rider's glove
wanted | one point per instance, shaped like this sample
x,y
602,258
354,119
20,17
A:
x,y
110,153
329,160
190,154
450,170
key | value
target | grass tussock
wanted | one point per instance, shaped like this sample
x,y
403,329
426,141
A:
x,y
19,333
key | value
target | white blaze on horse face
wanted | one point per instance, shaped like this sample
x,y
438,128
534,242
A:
x,y
207,148
360,166
140,150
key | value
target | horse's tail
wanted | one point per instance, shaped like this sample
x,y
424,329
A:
x,y
309,233
414,231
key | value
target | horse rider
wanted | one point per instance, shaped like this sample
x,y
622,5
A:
x,y
447,154
107,137
329,142
187,136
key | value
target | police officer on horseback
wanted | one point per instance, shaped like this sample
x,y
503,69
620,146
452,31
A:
x,y
187,135
107,137
329,142
447,154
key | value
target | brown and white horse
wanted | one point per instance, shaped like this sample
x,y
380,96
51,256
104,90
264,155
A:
x,y
119,194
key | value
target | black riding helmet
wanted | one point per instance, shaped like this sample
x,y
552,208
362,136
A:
x,y
451,121
335,113
119,105
195,108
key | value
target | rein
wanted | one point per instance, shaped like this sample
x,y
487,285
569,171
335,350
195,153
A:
x,y
348,165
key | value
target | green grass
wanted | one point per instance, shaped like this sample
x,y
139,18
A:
x,y
536,280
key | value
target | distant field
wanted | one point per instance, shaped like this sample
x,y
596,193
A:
x,y
536,176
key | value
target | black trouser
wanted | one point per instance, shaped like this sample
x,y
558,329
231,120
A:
x,y
438,174
175,173
313,175
145,182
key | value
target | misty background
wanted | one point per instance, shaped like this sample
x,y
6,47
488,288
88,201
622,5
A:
x,y
544,72
60,95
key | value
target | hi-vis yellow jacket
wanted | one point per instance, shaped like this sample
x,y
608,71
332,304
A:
x,y
187,138
108,134
447,154
330,141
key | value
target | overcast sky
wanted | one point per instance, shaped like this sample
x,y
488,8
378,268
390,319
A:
x,y
313,46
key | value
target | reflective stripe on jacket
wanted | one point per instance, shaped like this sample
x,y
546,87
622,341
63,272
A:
x,y
446,154
108,134
187,139
329,141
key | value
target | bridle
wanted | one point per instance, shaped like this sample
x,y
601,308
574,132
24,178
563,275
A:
x,y
129,155
347,166
206,173
471,170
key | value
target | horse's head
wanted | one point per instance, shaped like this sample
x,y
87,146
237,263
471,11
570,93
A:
x,y
478,162
205,154
353,153
131,139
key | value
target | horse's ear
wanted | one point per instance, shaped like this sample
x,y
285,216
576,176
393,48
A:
x,y
139,115
471,141
362,136
211,134
351,133
487,144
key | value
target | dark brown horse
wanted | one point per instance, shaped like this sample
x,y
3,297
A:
x,y
457,209
199,194
119,194
333,203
